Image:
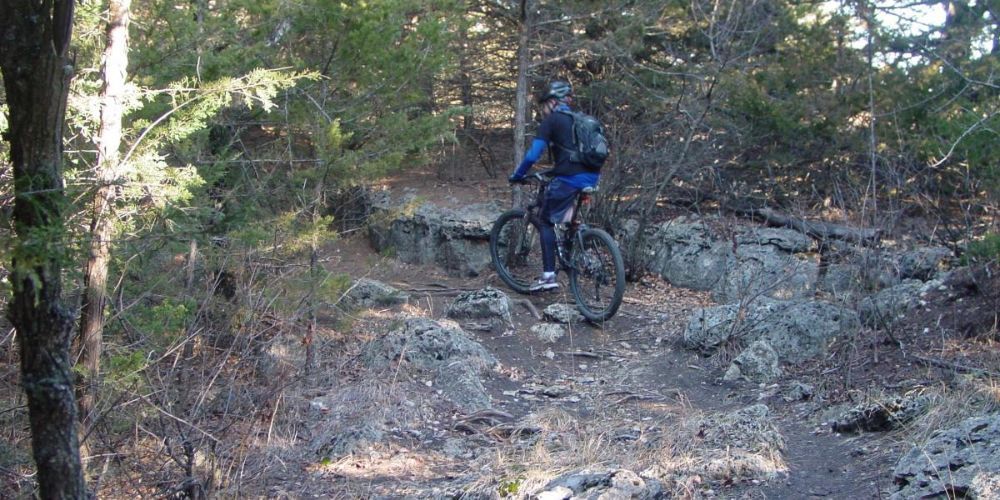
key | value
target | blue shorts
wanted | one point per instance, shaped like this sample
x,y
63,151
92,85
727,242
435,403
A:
x,y
559,198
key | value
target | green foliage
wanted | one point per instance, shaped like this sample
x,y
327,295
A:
x,y
986,249
509,487
123,370
166,322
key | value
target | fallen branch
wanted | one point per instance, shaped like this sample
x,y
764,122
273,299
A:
x,y
956,367
531,307
816,229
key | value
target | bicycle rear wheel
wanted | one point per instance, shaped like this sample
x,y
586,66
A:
x,y
597,275
515,250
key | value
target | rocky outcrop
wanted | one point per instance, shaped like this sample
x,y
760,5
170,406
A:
x,y
960,462
796,330
757,363
454,361
489,306
368,293
765,270
421,233
882,309
755,261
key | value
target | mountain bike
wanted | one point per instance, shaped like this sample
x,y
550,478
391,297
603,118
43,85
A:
x,y
590,256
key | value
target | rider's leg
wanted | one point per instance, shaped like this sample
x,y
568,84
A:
x,y
548,237
559,198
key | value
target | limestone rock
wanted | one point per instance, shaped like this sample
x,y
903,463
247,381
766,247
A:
x,y
488,304
888,305
563,313
960,462
797,330
765,270
548,332
427,345
369,293
882,414
757,363
421,233
611,484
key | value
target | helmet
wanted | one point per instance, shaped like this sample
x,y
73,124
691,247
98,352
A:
x,y
556,90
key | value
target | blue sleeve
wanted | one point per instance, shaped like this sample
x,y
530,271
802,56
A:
x,y
534,154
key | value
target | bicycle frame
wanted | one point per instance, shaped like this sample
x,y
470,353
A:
x,y
575,226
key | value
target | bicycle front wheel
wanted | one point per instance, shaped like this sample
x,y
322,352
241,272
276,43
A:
x,y
597,275
515,250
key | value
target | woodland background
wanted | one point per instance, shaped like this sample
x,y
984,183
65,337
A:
x,y
245,128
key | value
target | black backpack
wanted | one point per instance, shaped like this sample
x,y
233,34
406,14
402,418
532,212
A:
x,y
591,143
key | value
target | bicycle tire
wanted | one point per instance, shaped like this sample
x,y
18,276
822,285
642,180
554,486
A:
x,y
597,275
515,250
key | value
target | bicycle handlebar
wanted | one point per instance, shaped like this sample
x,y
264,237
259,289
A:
x,y
541,176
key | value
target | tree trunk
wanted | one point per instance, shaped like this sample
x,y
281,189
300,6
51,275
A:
x,y
95,275
36,75
521,106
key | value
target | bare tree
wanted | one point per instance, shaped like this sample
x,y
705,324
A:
x,y
36,74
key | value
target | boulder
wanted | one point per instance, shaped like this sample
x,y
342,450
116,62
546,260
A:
x,y
885,307
489,305
882,414
924,263
710,327
757,363
427,345
421,233
796,330
461,384
960,462
755,270
685,254
800,330
369,293
454,362
585,485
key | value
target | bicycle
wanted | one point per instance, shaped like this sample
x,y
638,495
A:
x,y
589,255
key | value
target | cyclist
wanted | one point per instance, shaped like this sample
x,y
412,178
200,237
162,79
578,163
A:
x,y
570,177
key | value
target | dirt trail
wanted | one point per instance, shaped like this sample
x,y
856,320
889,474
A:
x,y
629,381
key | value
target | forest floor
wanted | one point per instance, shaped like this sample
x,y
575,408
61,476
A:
x,y
620,394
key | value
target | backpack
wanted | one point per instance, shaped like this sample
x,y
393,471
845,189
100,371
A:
x,y
591,143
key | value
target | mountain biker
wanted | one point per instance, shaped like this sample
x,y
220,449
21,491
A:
x,y
570,177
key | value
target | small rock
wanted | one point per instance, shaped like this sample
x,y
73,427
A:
x,y
369,293
548,332
882,414
757,363
798,391
563,313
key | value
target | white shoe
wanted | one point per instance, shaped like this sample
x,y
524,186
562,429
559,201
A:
x,y
549,283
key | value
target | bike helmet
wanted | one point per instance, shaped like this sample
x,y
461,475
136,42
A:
x,y
557,90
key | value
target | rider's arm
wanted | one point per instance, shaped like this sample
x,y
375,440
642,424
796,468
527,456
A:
x,y
534,154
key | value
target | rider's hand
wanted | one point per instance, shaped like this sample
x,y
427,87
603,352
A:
x,y
515,179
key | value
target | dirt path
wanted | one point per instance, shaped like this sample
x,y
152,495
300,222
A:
x,y
627,386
